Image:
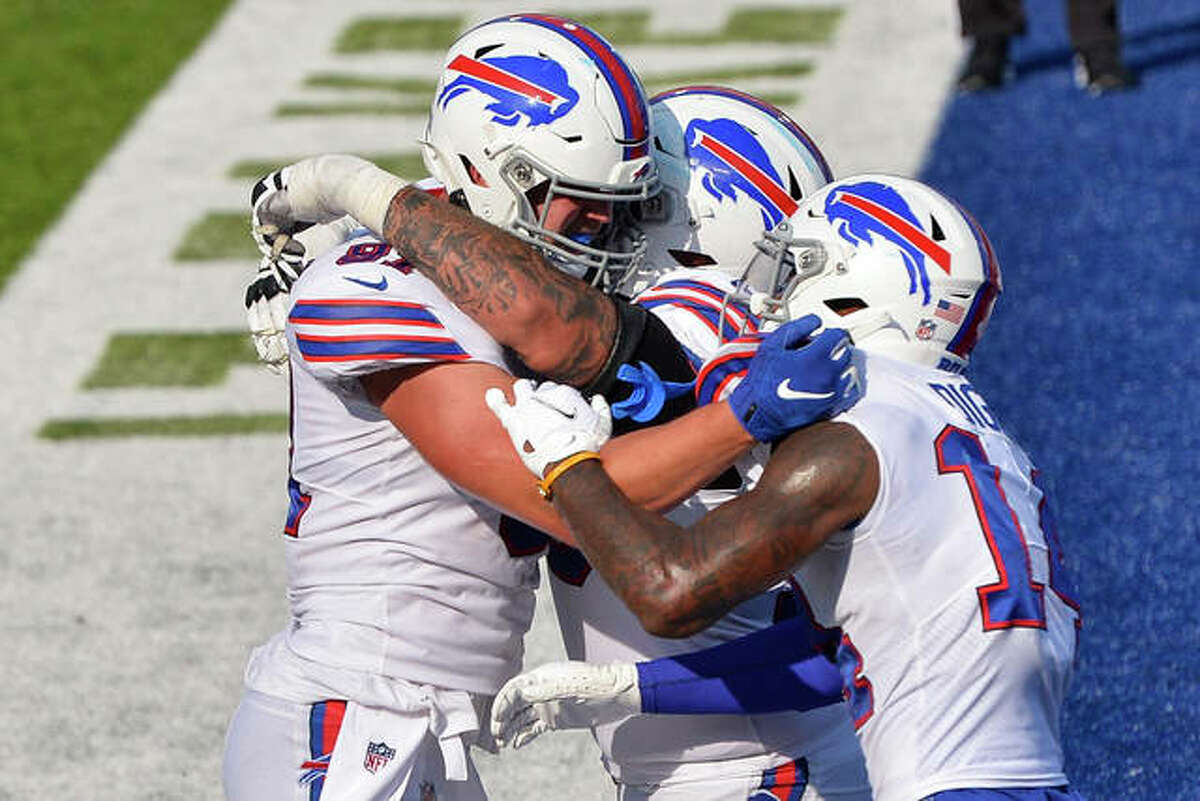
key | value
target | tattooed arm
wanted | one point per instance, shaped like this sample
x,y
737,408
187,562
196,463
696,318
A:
x,y
506,286
678,581
559,326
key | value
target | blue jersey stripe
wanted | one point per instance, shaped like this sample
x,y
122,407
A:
x,y
356,312
395,347
695,286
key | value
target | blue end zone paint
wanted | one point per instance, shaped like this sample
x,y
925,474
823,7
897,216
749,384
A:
x,y
1093,362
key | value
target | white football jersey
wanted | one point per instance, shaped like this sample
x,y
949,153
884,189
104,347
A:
x,y
958,620
598,627
392,570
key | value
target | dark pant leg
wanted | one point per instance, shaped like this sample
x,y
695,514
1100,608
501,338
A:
x,y
982,18
1091,23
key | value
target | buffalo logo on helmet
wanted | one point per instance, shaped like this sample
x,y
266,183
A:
x,y
731,160
868,209
521,87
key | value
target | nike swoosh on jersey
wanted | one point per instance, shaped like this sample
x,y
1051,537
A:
x,y
380,285
785,391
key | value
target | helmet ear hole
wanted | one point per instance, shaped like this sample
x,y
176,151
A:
x,y
842,306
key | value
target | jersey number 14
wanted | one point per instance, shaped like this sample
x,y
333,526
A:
x,y
1015,600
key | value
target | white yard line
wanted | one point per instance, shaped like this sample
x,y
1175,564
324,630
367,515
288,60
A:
x,y
135,574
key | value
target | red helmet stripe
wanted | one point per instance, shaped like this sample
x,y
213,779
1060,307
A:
x,y
486,72
903,227
760,179
630,100
754,102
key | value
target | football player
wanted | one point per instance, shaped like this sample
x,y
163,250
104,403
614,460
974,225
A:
x,y
409,591
913,522
730,167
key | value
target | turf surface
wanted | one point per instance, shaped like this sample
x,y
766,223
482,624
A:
x,y
752,24
205,426
74,75
170,359
1092,361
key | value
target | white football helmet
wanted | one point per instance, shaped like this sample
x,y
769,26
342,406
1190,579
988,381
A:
x,y
530,107
731,166
907,271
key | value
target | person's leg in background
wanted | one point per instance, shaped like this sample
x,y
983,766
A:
x,y
990,24
1097,43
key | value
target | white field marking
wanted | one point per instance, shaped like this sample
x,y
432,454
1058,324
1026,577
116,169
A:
x,y
136,574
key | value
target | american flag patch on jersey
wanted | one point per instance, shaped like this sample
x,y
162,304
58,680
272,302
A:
x,y
339,330
949,311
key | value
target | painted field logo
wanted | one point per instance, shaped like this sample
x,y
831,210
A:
x,y
378,755
520,86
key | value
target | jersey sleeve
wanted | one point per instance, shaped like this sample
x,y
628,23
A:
x,y
355,315
355,337
773,670
695,306
719,375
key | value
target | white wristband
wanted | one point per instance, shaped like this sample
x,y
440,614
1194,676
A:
x,y
324,188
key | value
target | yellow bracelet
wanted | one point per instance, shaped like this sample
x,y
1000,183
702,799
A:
x,y
562,467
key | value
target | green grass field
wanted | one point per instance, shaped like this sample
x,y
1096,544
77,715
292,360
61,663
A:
x,y
75,73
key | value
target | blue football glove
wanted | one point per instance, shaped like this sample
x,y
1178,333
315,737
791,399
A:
x,y
793,381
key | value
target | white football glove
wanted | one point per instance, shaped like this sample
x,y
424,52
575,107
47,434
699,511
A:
x,y
284,258
266,316
550,422
331,189
564,695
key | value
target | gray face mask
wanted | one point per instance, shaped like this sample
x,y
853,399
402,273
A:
x,y
604,258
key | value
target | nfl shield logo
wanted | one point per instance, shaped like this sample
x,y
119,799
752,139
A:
x,y
925,329
378,755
